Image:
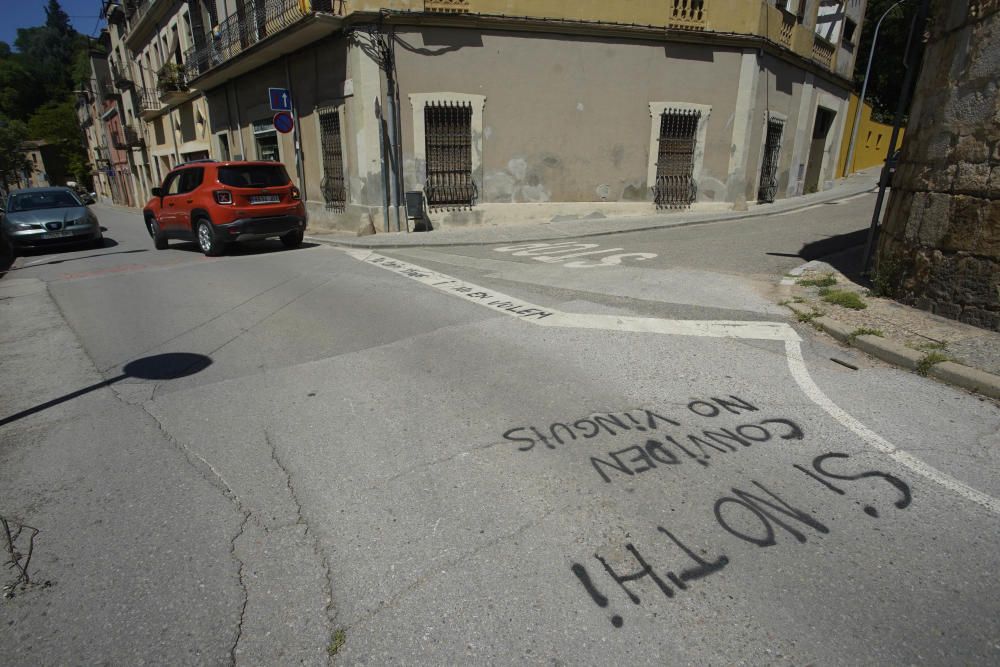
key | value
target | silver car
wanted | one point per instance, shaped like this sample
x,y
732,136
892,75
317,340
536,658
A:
x,y
37,217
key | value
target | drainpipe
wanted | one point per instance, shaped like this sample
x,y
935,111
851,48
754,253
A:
x,y
390,99
173,134
381,156
239,121
296,131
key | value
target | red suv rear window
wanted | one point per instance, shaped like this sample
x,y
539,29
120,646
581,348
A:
x,y
253,176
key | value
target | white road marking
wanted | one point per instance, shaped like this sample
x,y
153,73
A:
x,y
704,328
797,366
551,317
554,253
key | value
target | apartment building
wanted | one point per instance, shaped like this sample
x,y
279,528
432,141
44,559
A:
x,y
497,111
163,121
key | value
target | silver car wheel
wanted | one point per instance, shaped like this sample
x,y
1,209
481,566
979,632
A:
x,y
204,238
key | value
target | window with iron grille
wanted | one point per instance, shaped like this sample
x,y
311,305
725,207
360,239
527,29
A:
x,y
448,140
769,166
675,186
332,185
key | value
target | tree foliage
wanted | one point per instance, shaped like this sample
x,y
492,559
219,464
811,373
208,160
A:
x,y
885,84
13,134
37,80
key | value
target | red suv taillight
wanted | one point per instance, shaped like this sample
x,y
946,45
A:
x,y
295,193
223,196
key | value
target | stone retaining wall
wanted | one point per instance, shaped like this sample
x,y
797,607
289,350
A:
x,y
940,244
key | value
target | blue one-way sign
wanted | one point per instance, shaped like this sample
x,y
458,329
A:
x,y
280,99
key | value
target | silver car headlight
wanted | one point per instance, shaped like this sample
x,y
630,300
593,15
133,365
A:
x,y
25,225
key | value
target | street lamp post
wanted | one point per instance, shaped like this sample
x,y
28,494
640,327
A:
x,y
864,88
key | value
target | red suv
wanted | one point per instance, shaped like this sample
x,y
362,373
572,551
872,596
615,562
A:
x,y
216,203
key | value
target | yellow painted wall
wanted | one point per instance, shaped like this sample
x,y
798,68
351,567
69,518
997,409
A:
x,y
872,142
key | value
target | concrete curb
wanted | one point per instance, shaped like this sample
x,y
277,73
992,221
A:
x,y
973,379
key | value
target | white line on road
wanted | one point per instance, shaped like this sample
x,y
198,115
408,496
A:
x,y
704,328
797,366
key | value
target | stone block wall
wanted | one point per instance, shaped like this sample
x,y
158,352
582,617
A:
x,y
940,243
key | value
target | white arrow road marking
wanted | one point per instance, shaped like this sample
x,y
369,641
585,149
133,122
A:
x,y
550,317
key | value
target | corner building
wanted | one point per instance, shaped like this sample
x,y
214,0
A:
x,y
501,111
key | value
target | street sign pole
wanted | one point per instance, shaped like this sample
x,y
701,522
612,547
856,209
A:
x,y
299,166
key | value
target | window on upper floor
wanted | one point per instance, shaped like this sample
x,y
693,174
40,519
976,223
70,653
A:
x,y
850,27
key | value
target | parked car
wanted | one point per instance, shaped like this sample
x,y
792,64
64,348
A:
x,y
41,217
218,203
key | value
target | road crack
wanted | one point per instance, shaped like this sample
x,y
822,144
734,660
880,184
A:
x,y
314,544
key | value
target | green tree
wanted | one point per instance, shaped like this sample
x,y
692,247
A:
x,y
56,123
57,19
13,134
885,84
18,95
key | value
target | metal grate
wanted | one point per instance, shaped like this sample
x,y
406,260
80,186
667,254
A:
x,y
769,167
448,127
332,185
675,185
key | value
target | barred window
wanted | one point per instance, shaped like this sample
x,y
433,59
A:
x,y
675,186
332,185
448,140
769,166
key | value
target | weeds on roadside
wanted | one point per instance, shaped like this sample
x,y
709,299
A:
x,y
336,643
843,298
887,277
825,281
929,360
808,317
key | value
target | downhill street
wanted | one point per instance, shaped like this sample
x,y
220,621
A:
x,y
482,454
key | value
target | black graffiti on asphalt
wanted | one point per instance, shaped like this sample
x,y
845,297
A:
x,y
615,424
902,487
700,570
755,514
671,451
587,427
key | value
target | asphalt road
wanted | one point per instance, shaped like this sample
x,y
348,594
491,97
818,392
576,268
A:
x,y
489,454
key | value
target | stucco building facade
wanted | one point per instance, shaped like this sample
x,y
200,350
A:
x,y
495,111
500,111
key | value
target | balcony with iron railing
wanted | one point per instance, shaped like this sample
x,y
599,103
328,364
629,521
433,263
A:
x,y
149,103
264,21
171,83
126,138
121,78
107,89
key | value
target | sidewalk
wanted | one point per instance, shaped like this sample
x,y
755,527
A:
x,y
947,350
856,184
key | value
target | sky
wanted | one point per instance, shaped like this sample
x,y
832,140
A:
x,y
30,13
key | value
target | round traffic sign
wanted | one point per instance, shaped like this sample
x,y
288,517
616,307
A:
x,y
283,122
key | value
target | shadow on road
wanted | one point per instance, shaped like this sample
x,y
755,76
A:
x,y
843,252
243,248
167,366
73,259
